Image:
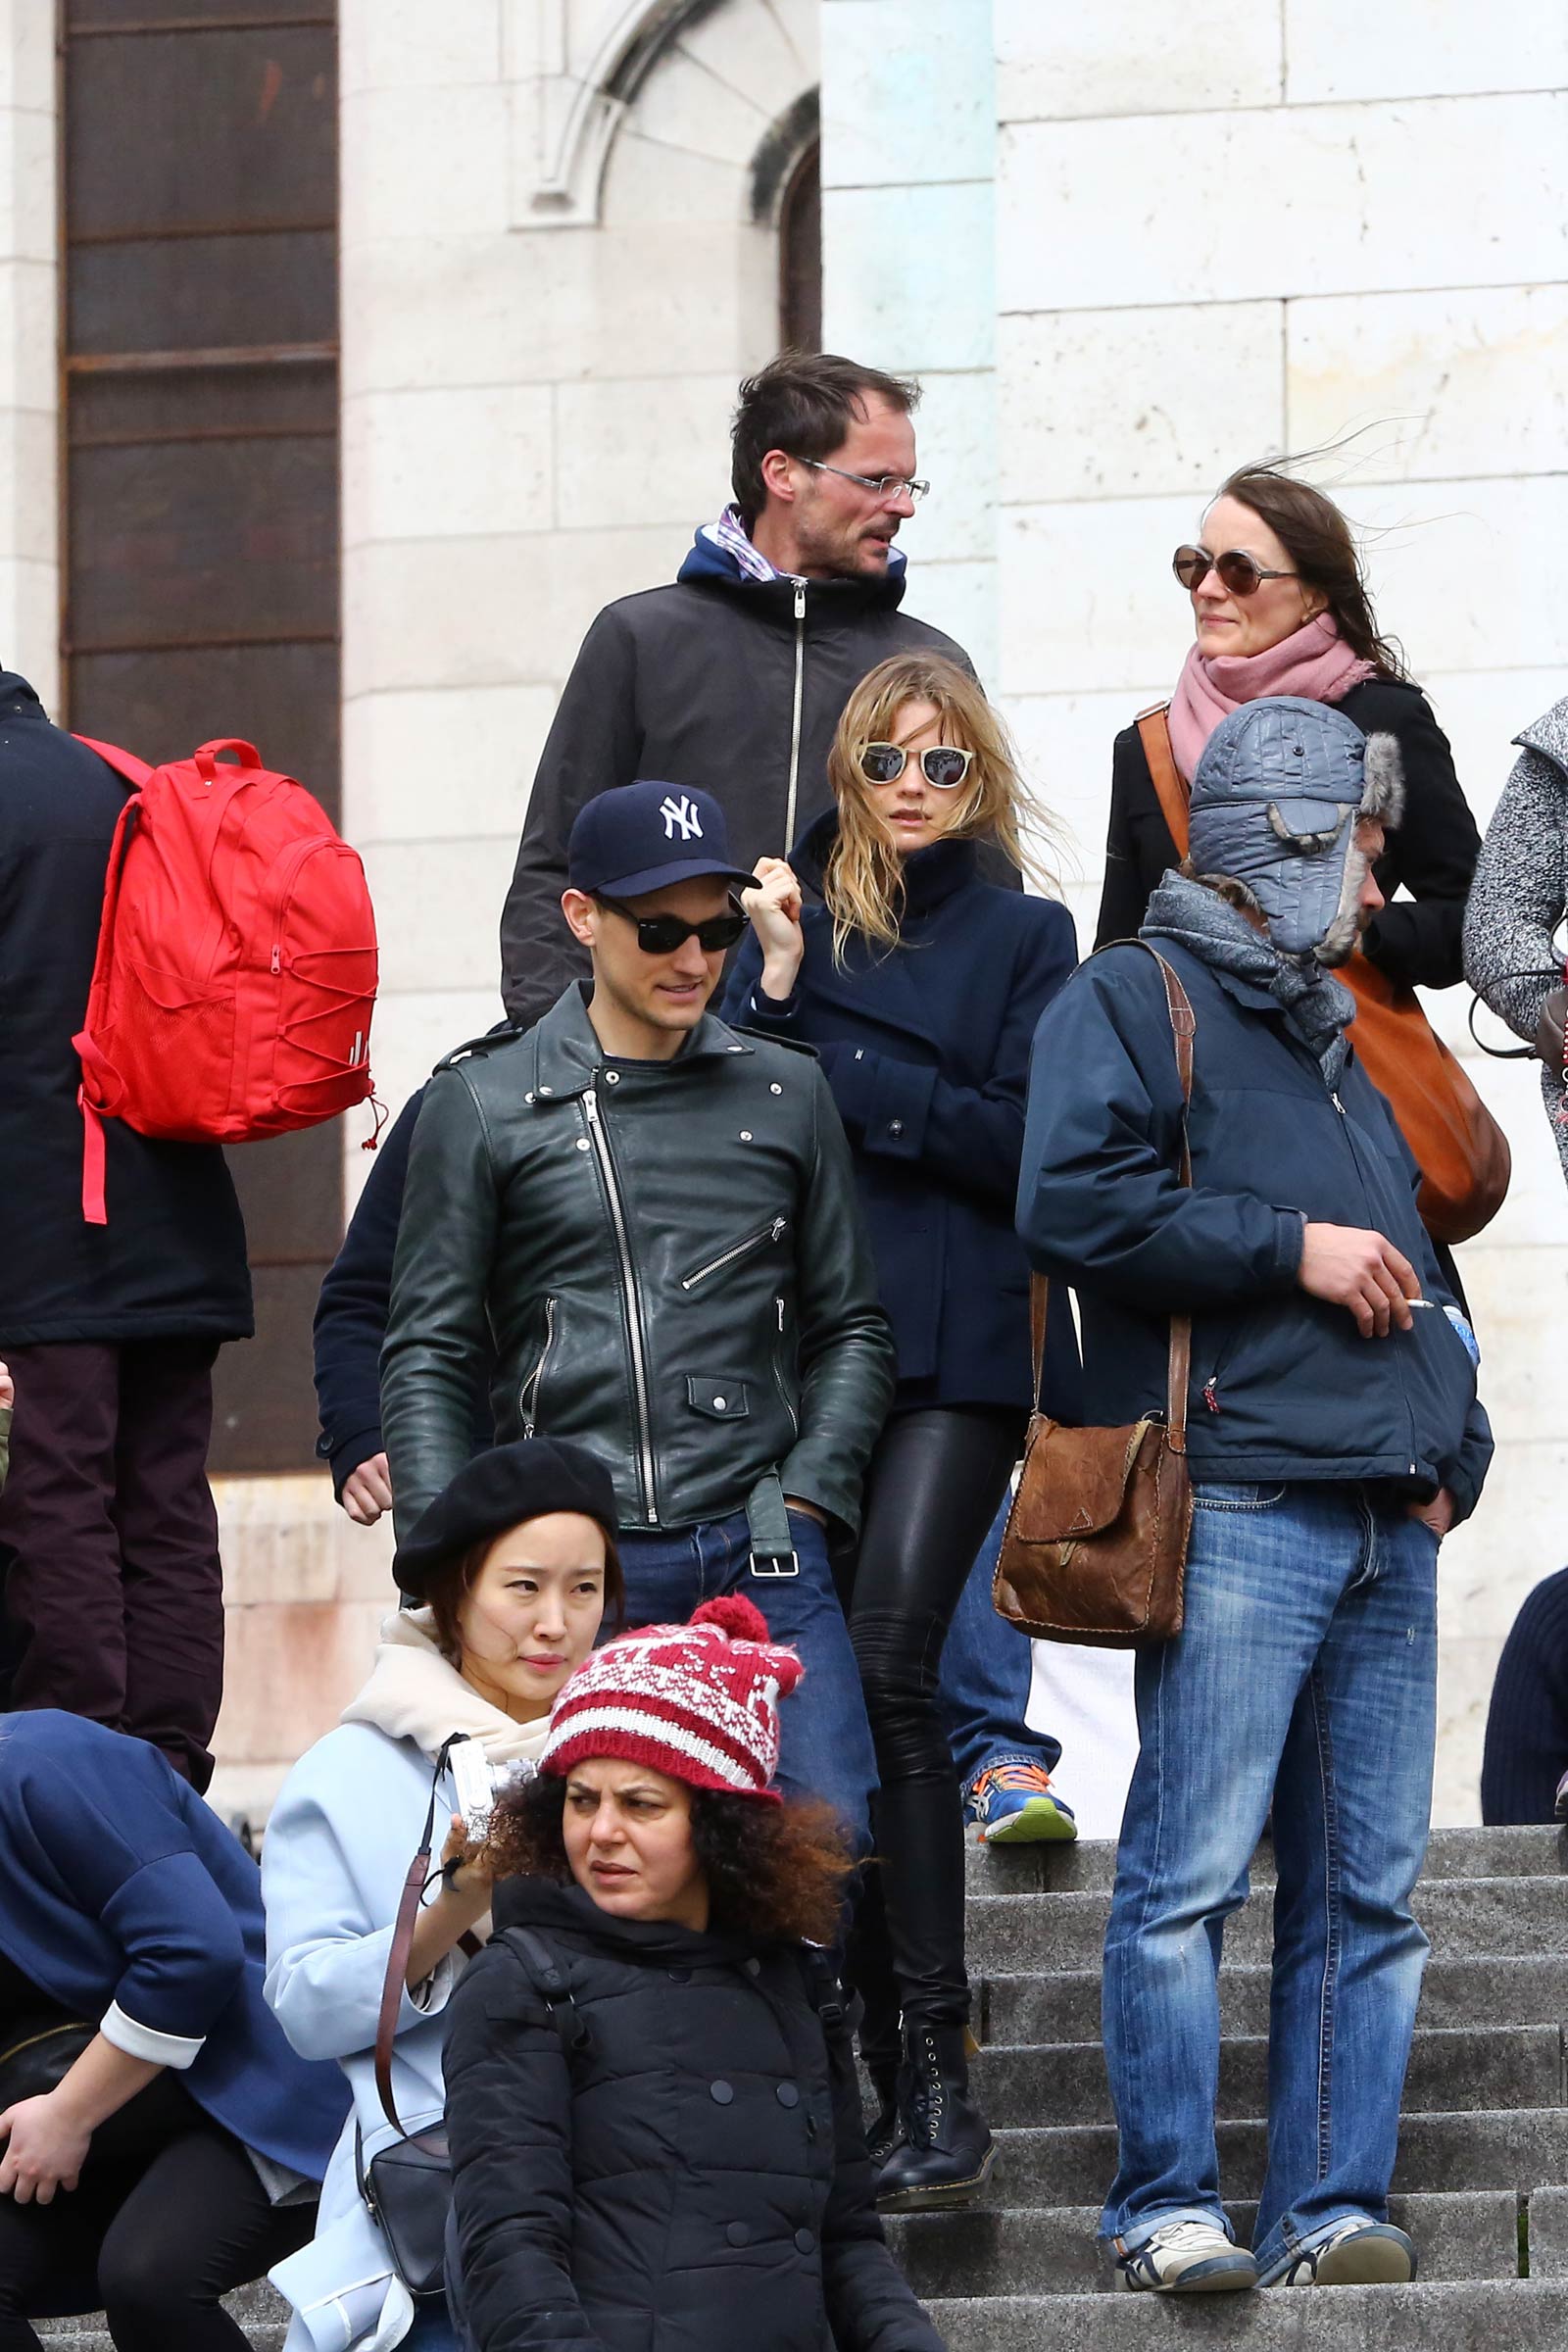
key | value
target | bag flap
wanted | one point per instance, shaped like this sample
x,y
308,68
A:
x,y
1074,1481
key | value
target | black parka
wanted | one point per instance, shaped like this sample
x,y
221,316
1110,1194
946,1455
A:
x,y
692,2179
716,681
1416,942
170,1261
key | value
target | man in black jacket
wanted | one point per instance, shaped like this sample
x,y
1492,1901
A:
x,y
648,1224
733,676
110,1330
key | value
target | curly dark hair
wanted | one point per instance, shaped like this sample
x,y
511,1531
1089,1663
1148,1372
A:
x,y
771,1870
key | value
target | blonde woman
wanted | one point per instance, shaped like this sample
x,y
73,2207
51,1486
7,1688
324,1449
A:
x,y
919,985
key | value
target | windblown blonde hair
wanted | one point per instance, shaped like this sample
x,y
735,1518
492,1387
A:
x,y
863,882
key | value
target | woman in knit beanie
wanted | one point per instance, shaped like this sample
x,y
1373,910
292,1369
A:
x,y
650,2097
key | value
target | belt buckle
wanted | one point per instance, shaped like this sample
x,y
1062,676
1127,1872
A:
x,y
773,1565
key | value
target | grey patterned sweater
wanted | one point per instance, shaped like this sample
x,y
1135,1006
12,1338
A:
x,y
1519,897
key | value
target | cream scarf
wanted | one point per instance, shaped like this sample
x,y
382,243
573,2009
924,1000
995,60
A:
x,y
415,1693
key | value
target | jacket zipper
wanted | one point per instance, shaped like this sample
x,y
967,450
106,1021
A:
x,y
795,717
634,1311
727,1258
778,1369
529,1415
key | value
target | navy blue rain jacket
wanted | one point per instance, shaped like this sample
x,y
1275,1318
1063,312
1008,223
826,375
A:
x,y
926,1048
129,1903
1283,1384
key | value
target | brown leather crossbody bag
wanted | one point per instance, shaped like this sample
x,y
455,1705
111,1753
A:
x,y
1095,1544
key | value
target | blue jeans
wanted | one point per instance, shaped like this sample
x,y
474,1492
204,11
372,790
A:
x,y
1306,1674
432,2330
825,1740
986,1670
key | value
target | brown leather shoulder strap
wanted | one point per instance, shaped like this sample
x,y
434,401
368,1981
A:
x,y
1170,789
1183,1030
397,1966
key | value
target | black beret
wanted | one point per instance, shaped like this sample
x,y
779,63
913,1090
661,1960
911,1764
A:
x,y
498,1490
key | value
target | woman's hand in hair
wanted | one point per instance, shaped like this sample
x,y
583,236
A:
x,y
775,907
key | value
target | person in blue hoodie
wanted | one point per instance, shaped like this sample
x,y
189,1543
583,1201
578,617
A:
x,y
1333,1436
919,985
128,1906
733,677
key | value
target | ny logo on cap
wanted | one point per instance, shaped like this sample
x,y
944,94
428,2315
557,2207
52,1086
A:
x,y
682,813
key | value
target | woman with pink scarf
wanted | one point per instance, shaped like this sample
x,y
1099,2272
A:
x,y
1280,606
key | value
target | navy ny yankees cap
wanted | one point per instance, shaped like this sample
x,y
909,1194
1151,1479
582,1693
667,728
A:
x,y
637,837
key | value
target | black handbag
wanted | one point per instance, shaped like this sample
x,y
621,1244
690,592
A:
x,y
407,2186
38,2049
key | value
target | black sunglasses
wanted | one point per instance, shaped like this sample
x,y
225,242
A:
x,y
662,934
1238,572
944,766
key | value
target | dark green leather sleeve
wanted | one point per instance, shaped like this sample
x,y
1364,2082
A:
x,y
437,1346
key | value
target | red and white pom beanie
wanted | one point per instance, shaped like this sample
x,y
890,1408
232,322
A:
x,y
698,1701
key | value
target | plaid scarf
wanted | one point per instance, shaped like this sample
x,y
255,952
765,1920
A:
x,y
728,535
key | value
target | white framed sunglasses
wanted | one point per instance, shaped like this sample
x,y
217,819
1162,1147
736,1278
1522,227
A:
x,y
944,766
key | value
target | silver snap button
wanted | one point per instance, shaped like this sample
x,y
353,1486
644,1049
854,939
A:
x,y
895,1126
734,1048
547,1090
612,1077
582,1142
528,1098
720,1404
746,1135
775,1087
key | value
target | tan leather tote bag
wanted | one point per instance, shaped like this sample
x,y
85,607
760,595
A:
x,y
1095,1544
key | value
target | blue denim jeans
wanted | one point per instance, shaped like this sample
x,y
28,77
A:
x,y
986,1671
432,2330
825,1740
1305,1674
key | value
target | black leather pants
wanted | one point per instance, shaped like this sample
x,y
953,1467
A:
x,y
931,1492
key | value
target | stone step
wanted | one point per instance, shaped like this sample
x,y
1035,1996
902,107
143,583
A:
x,y
1503,2066
1465,1919
257,2307
1090,1866
1517,2315
1528,1991
1052,2252
1518,2148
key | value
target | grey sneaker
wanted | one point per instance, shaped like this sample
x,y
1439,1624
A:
x,y
1186,2258
1354,2252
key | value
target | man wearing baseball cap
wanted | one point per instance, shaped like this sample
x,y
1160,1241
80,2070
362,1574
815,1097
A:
x,y
647,1224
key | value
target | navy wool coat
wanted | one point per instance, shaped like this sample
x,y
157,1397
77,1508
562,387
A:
x,y
926,1048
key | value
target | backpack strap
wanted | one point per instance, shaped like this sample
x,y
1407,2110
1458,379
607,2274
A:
x,y
126,764
1170,789
553,1987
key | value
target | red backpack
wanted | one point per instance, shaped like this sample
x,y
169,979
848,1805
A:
x,y
236,963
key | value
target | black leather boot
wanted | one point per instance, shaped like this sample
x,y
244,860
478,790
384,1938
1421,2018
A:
x,y
884,2131
947,2150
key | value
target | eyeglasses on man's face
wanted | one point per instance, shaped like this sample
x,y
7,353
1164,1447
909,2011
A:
x,y
883,486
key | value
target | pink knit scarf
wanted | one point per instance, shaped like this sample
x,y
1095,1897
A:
x,y
1314,661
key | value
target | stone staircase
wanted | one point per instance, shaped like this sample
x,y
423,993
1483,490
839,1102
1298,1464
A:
x,y
1483,2177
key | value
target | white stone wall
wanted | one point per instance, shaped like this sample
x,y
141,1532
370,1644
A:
x,y
908,240
550,293
29,572
1228,230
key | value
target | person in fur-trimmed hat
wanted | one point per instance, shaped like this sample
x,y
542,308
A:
x,y
1334,1437
650,2094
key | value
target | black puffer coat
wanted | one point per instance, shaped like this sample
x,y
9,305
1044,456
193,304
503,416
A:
x,y
170,1261
693,2179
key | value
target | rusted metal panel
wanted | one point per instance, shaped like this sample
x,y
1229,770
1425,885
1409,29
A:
x,y
199,388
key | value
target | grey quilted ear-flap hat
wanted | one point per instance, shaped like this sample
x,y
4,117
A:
x,y
1275,802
